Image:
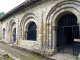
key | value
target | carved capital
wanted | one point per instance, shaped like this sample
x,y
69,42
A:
x,y
78,23
54,28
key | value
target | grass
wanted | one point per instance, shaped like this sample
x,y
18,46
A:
x,y
34,56
76,57
6,57
31,58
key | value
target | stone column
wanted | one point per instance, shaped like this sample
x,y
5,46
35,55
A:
x,y
54,37
40,35
7,32
17,30
0,31
44,35
50,34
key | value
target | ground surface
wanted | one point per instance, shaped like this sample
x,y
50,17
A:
x,y
22,55
60,56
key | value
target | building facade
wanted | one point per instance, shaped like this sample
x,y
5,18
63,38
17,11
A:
x,y
43,25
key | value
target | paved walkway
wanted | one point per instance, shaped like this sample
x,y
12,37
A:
x,y
60,56
22,55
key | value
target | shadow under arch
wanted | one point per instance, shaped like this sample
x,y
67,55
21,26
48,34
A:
x,y
62,14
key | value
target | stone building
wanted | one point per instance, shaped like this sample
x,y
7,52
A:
x,y
42,25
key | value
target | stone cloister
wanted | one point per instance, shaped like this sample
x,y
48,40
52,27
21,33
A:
x,y
34,24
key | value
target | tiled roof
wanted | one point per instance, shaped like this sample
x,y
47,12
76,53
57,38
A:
x,y
19,7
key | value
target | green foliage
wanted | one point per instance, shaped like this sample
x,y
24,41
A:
x,y
1,14
31,58
5,57
76,57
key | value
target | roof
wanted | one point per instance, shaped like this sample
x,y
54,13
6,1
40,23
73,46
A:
x,y
18,8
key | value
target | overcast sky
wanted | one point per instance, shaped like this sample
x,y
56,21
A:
x,y
7,5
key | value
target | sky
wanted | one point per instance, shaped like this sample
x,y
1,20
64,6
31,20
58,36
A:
x,y
7,5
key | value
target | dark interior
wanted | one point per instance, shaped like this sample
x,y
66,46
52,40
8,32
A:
x,y
68,30
31,34
68,35
14,34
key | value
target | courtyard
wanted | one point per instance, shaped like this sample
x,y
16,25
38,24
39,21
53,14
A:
x,y
20,54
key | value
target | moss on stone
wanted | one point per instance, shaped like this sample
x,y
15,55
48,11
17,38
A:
x,y
6,57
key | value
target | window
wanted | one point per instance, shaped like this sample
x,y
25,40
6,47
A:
x,y
3,33
31,34
14,34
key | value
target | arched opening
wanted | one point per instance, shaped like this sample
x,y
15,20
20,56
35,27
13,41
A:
x,y
31,32
68,31
3,33
12,31
14,34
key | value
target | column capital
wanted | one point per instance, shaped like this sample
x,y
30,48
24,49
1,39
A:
x,y
78,23
54,27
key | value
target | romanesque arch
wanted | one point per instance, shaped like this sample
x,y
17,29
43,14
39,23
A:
x,y
12,31
31,31
59,10
25,22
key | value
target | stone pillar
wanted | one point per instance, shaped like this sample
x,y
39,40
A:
x,y
54,37
50,42
17,30
44,35
40,35
48,37
0,31
7,32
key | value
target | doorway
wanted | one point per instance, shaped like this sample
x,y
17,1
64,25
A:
x,y
68,31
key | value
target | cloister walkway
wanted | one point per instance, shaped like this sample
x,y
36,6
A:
x,y
20,54
25,55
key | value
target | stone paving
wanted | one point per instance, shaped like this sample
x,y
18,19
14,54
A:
x,y
20,54
60,56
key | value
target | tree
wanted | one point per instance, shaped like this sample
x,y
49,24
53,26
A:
x,y
1,14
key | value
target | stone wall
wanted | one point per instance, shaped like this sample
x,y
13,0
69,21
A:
x,y
45,14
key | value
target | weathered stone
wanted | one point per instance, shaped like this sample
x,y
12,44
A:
x,y
45,14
